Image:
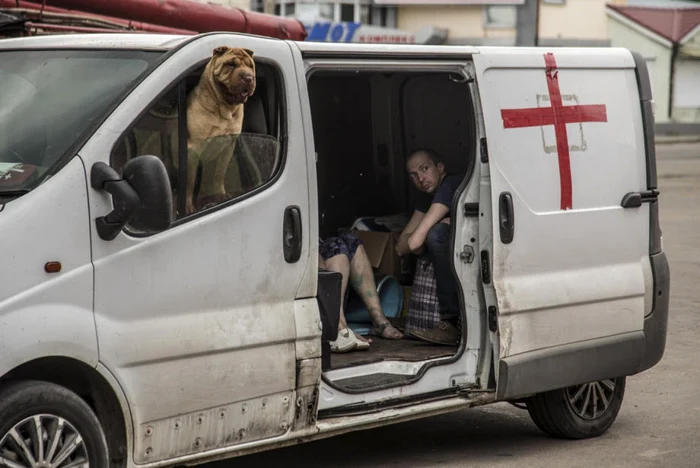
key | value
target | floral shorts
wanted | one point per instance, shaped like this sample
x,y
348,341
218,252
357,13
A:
x,y
344,244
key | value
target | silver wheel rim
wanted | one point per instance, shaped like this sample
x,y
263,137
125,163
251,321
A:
x,y
591,400
43,441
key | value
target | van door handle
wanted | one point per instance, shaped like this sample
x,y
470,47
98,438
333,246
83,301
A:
x,y
506,217
291,234
635,199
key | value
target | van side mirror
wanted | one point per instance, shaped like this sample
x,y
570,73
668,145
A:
x,y
142,197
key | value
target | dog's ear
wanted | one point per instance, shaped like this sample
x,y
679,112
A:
x,y
249,52
220,50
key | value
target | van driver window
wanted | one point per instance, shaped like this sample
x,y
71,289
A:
x,y
224,158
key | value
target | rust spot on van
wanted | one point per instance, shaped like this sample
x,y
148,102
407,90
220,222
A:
x,y
506,337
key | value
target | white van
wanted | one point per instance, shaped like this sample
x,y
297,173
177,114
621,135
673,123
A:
x,y
132,333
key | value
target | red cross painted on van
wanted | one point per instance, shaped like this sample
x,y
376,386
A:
x,y
558,115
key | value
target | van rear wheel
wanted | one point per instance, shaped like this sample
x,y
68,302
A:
x,y
580,411
43,424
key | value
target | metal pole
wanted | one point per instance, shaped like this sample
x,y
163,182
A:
x,y
21,5
527,23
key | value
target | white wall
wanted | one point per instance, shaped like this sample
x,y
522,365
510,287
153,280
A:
x,y
574,19
691,47
658,59
459,20
686,90
686,93
243,4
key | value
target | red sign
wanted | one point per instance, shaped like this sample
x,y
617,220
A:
x,y
557,115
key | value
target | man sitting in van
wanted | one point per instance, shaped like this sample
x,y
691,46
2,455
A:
x,y
428,232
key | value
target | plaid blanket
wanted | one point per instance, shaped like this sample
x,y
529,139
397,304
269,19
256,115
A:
x,y
423,309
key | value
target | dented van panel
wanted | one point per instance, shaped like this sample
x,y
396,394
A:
x,y
222,426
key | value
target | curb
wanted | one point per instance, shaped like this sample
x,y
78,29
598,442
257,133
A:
x,y
671,139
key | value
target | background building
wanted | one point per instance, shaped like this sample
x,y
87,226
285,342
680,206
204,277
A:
x,y
667,34
476,22
561,22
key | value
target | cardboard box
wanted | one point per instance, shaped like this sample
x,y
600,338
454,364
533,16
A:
x,y
380,248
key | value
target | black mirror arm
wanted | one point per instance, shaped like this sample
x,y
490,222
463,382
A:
x,y
124,198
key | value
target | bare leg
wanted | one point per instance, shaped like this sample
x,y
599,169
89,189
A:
x,y
341,264
362,280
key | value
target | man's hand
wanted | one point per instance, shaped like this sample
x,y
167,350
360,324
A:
x,y
436,213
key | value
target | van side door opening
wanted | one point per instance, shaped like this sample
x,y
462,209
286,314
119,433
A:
x,y
366,121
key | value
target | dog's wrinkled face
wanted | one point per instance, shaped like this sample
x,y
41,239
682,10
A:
x,y
233,73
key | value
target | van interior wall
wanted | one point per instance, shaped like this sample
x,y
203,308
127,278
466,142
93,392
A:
x,y
341,111
437,114
366,124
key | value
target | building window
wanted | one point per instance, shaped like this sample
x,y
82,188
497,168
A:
x,y
285,9
358,11
313,11
499,16
365,14
347,12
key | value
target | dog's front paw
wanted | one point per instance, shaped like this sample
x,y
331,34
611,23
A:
x,y
189,208
219,197
212,200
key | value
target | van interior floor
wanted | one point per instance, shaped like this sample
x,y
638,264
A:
x,y
382,349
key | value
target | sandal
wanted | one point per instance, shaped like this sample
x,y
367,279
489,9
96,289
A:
x,y
345,342
393,334
398,322
362,345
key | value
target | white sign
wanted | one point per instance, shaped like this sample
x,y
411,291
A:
x,y
323,31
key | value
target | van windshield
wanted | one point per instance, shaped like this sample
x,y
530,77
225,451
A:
x,y
49,99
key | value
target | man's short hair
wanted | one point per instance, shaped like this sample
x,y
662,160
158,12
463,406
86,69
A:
x,y
434,157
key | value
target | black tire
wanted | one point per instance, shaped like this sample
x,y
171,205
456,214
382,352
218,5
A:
x,y
566,413
27,399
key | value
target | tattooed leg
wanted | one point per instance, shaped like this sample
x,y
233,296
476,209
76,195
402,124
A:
x,y
340,264
362,281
